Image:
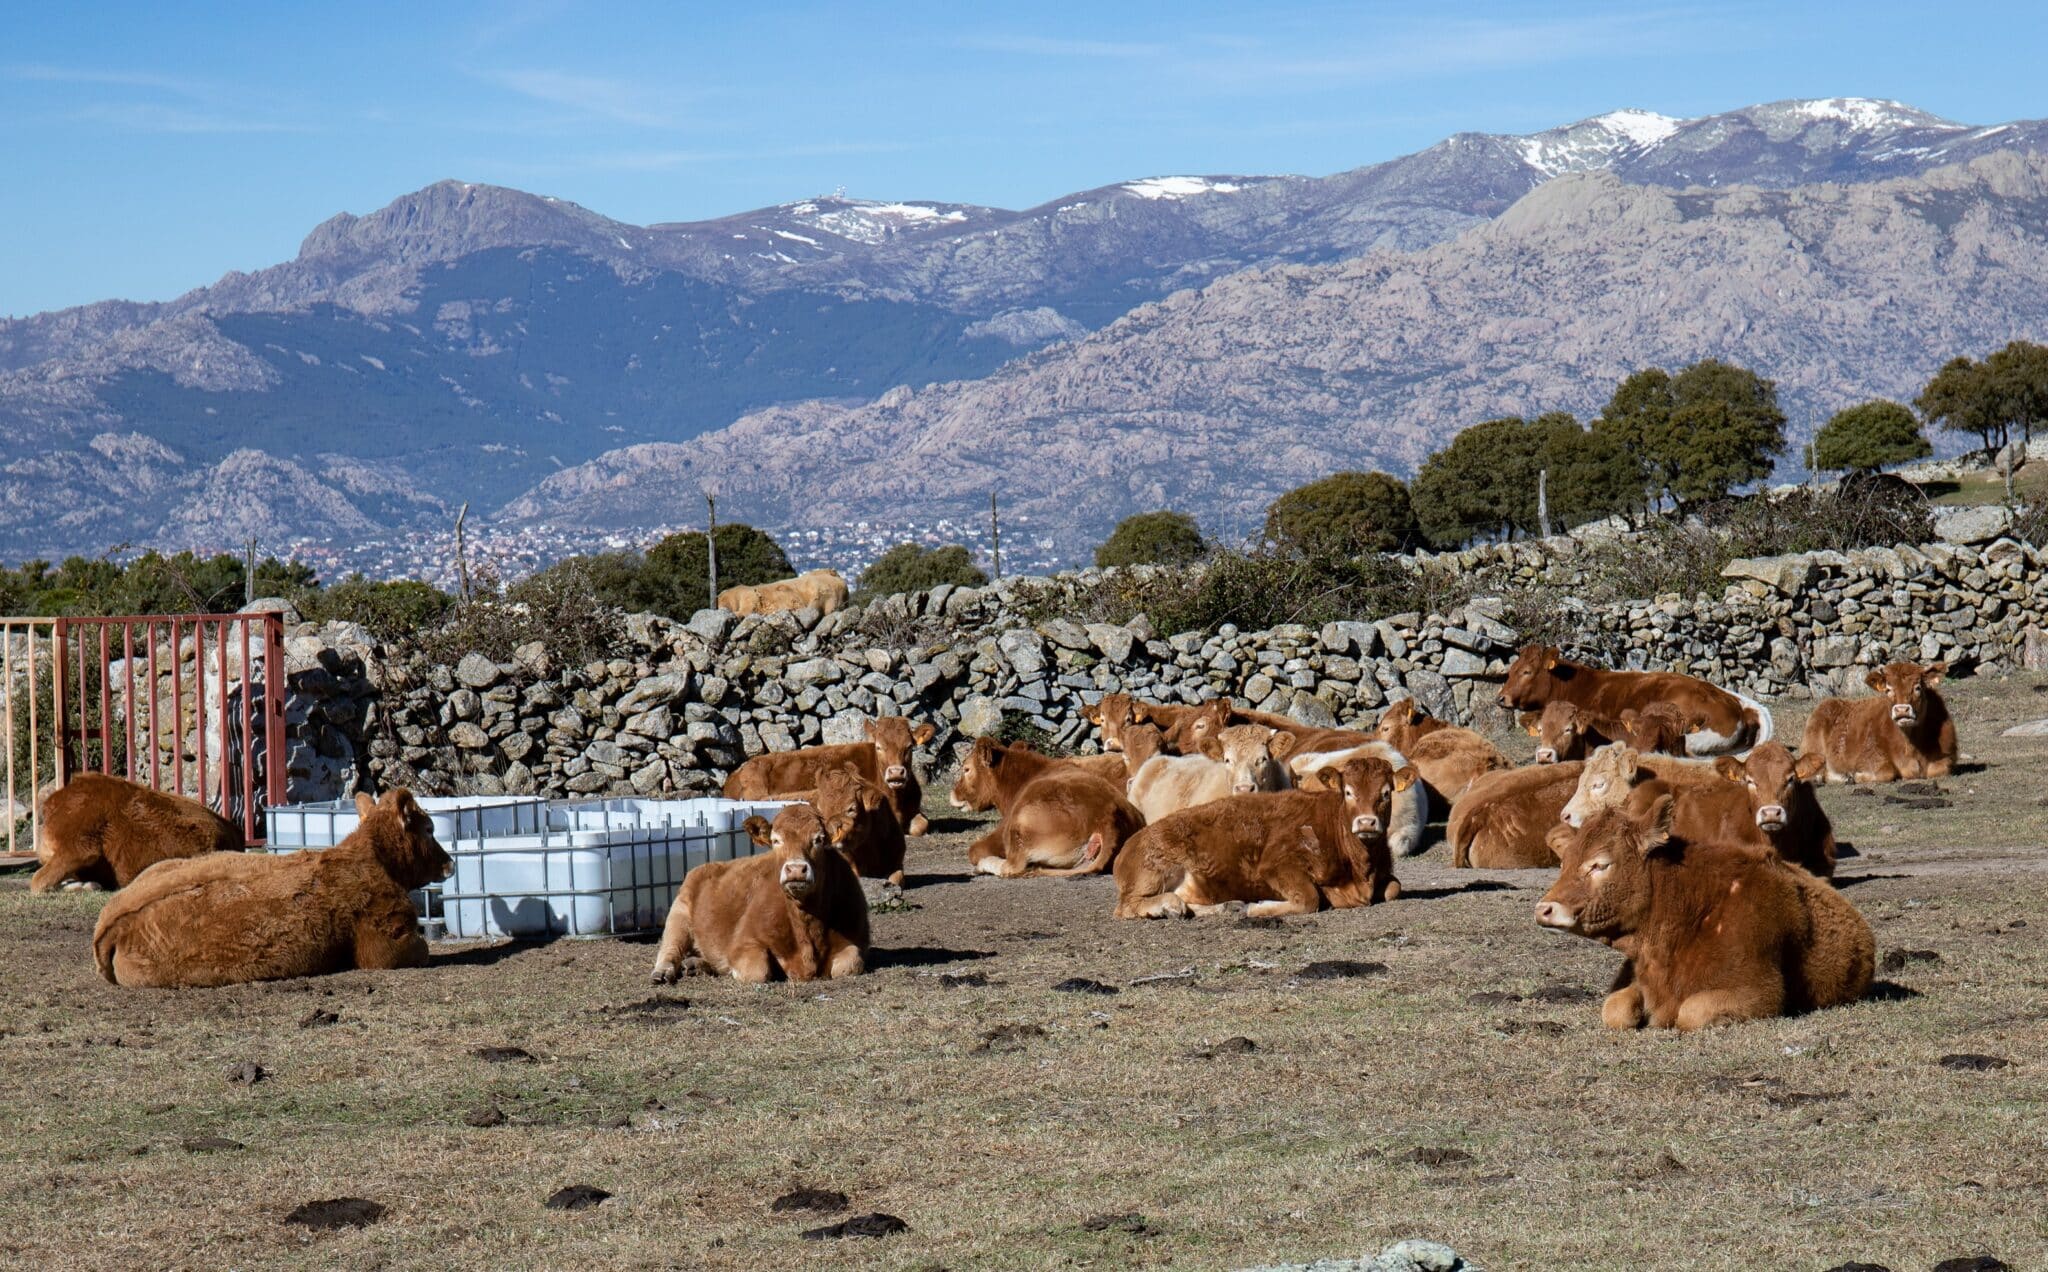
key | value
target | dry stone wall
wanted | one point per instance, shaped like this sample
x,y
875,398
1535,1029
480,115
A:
x,y
690,700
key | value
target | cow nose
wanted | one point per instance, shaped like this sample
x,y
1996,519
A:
x,y
1570,818
1367,824
1551,914
1243,788
448,870
1545,755
1502,699
796,871
1770,815
1901,712
895,775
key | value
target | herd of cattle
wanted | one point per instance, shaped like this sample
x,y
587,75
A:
x,y
1683,836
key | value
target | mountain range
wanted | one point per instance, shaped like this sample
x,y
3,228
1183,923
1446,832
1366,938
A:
x,y
1195,341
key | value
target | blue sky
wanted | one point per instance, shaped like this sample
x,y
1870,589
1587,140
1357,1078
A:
x,y
148,148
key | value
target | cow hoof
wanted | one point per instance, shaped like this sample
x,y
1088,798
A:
x,y
80,885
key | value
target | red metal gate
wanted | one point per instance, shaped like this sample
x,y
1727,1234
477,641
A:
x,y
190,703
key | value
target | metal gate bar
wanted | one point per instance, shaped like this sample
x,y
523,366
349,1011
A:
x,y
25,687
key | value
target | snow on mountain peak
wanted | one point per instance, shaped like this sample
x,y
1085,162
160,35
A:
x,y
1593,143
1179,187
868,222
1643,127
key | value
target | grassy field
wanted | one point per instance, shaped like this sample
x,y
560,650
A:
x,y
1217,1109
1983,486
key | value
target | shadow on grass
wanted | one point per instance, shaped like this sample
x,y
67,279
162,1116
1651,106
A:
x,y
1475,885
1885,991
1850,881
953,825
927,880
485,955
921,956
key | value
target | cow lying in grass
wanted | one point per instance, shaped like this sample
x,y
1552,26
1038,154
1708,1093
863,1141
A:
x,y
1714,933
861,823
1504,821
101,831
885,759
796,911
1238,761
1725,723
1409,825
1449,758
1765,801
1903,732
1291,852
1056,819
227,918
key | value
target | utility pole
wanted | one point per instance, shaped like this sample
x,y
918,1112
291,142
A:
x,y
461,552
249,573
1543,501
711,544
995,534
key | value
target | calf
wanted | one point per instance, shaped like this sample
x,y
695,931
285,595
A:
x,y
1765,801
1056,819
1505,819
100,831
860,823
1540,675
1290,852
1563,732
1714,933
1317,771
228,918
1187,728
884,759
1405,721
796,910
1903,732
1241,759
1112,716
1659,728
1450,759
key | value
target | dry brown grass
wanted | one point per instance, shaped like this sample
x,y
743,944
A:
x,y
1794,1144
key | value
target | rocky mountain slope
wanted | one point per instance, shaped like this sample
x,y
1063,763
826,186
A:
x,y
1215,400
467,341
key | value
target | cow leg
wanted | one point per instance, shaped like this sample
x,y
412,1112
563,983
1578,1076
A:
x,y
1090,860
1298,895
1386,889
379,948
1755,1001
985,855
1624,1009
846,961
918,825
1158,905
675,943
752,964
63,865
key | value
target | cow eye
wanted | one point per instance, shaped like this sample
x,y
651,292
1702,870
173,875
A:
x,y
1600,785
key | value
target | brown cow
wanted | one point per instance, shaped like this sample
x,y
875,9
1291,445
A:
x,y
1187,728
1660,728
1765,801
101,831
1241,759
1289,852
1540,674
821,590
1903,732
228,918
796,910
860,823
1505,819
1404,721
1317,771
1112,716
1056,819
1714,933
884,758
1563,732
1450,759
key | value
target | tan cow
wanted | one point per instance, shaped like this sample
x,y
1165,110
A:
x,y
1765,801
1563,732
796,911
1316,771
1404,721
1505,819
1540,674
1056,819
1450,759
1241,759
1714,933
228,918
885,758
101,831
1290,852
1112,716
1660,728
860,823
821,590
1903,732
1187,728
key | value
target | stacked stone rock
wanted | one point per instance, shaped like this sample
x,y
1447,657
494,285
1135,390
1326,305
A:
x,y
688,701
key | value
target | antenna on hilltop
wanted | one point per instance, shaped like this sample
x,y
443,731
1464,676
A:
x,y
839,192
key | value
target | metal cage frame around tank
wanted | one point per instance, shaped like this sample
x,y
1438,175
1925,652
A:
x,y
578,848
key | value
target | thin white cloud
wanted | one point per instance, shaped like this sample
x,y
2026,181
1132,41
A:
x,y
596,97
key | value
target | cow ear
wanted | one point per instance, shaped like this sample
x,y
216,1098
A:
x,y
1875,678
1931,674
868,730
364,804
1657,827
923,733
1092,712
1141,713
837,830
1282,744
1212,747
1549,659
1531,723
1559,838
1405,777
757,829
1731,768
1809,766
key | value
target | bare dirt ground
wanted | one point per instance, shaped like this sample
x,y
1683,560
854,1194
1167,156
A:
x,y
1207,1105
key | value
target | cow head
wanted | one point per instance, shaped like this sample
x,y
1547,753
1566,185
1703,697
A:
x,y
1113,717
1659,727
976,788
1562,732
1399,721
1776,782
1255,755
1140,743
893,737
843,801
1602,889
1610,774
1532,677
801,847
402,837
1186,727
1369,785
1908,685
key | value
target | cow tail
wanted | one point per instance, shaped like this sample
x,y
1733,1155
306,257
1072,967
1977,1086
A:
x,y
103,944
